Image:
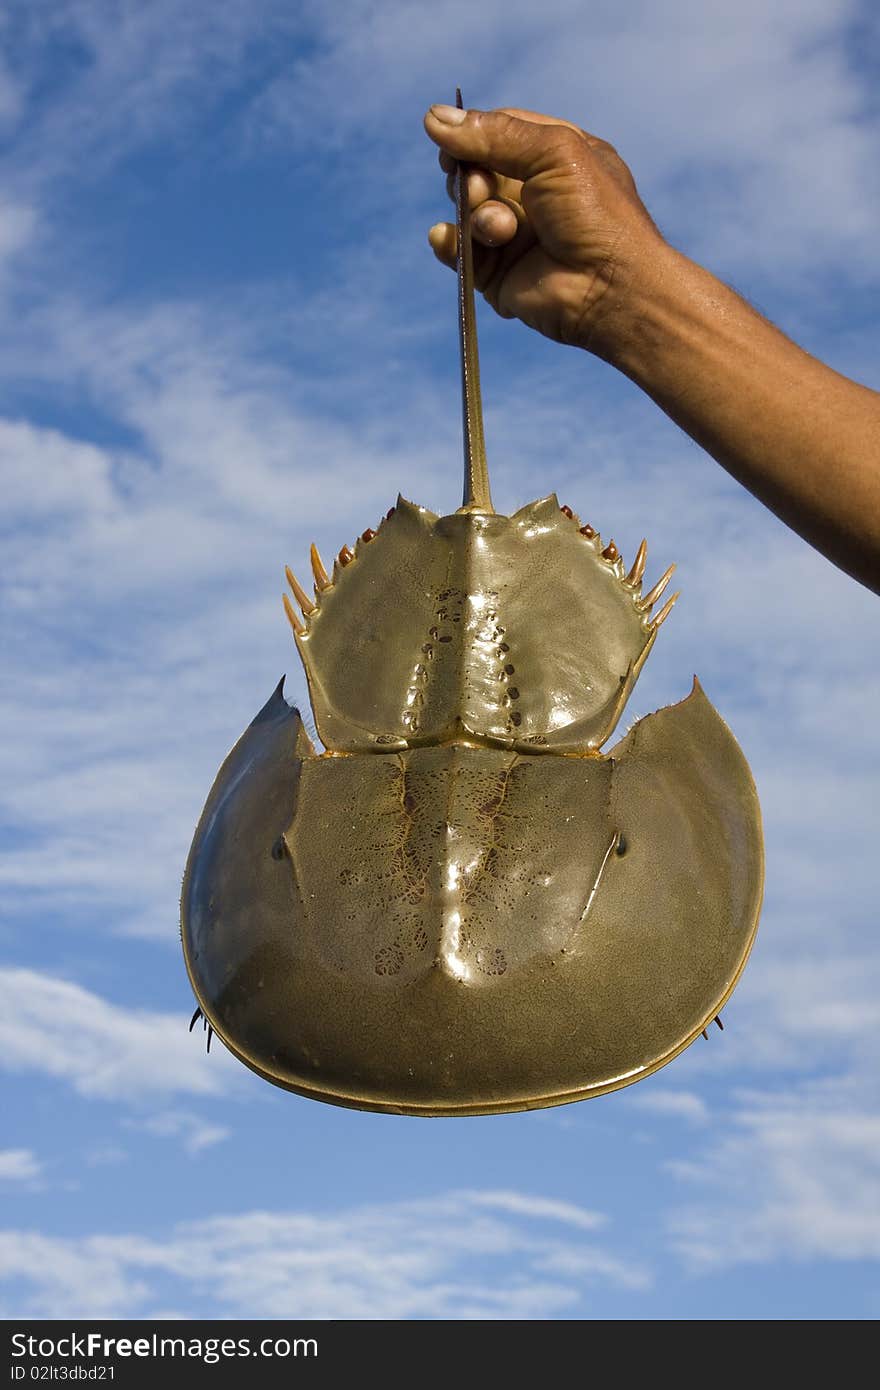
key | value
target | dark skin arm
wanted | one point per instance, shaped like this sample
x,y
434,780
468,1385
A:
x,y
566,245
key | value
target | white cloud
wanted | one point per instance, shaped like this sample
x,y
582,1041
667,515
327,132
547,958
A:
x,y
442,1257
59,1029
19,1165
679,1105
822,998
795,1175
758,114
104,1155
194,1133
132,72
751,128
66,1275
544,1208
18,224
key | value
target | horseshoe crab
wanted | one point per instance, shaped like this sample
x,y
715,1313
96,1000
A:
x,y
463,905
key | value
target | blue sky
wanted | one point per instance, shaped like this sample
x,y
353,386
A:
x,y
223,336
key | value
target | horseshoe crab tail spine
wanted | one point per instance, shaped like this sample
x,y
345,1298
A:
x,y
476,497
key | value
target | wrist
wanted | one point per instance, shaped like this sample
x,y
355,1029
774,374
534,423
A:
x,y
635,316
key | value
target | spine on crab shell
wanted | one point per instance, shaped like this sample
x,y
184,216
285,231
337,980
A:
x,y
476,496
638,569
322,578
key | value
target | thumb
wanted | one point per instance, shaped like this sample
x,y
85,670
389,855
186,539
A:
x,y
515,148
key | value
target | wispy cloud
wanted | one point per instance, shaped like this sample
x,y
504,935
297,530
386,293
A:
x,y
677,1105
125,74
760,115
796,1175
17,230
19,1165
195,1134
464,1255
58,1029
541,1207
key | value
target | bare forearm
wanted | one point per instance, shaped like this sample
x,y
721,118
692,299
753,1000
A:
x,y
802,438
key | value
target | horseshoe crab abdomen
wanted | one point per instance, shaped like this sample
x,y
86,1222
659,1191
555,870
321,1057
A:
x,y
464,860
461,928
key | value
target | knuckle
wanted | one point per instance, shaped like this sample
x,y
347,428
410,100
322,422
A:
x,y
570,143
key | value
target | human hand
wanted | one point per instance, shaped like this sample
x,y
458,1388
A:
x,y
562,239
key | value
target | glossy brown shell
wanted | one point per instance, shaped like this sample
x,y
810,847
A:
x,y
465,929
508,630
